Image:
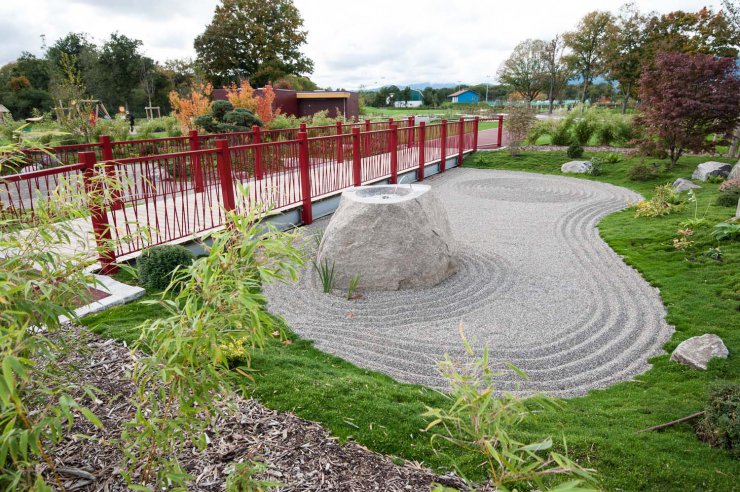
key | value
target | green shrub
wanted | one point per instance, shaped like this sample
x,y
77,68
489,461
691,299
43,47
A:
x,y
597,167
540,129
643,172
157,264
606,133
574,151
612,158
724,231
561,133
242,118
665,201
582,131
728,199
720,426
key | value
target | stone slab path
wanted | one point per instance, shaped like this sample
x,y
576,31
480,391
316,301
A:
x,y
536,283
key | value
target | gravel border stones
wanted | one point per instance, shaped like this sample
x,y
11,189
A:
x,y
536,283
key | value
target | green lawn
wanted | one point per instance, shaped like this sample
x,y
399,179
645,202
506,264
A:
x,y
701,297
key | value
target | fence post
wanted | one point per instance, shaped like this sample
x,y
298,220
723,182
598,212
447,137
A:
x,y
394,154
305,175
422,140
475,133
340,143
461,142
98,214
302,128
223,162
443,147
390,122
500,129
257,139
197,170
106,154
356,158
410,124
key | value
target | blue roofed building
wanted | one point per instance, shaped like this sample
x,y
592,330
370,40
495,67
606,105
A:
x,y
464,96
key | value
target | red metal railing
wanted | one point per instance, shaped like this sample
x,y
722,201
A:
x,y
178,194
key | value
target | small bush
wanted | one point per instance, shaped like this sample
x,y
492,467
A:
x,y
561,133
582,131
612,158
720,426
664,201
540,129
643,172
728,199
574,151
157,264
597,167
724,231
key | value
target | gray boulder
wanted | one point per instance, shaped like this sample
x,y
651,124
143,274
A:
x,y
735,173
697,351
580,167
684,185
711,168
393,237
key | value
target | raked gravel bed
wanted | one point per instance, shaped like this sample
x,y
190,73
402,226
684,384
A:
x,y
536,283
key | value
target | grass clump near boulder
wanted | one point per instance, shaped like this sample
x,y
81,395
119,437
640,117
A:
x,y
157,264
729,193
720,426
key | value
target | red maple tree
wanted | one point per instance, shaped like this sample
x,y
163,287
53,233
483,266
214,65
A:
x,y
687,97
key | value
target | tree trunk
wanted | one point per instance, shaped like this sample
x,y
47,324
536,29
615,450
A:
x,y
626,98
551,94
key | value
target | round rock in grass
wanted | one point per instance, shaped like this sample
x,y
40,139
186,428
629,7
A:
x,y
391,236
711,168
580,167
684,185
697,351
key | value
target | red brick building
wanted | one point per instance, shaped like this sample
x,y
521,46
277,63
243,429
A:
x,y
307,103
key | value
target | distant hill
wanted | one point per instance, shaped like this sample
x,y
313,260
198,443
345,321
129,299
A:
x,y
420,86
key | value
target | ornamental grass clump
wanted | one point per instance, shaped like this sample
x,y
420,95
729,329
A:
x,y
665,201
481,421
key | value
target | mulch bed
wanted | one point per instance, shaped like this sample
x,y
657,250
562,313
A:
x,y
298,454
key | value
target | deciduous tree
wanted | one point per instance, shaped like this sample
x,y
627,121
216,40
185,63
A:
x,y
555,69
685,98
253,39
587,44
625,50
524,70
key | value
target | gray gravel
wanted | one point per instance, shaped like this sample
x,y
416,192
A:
x,y
536,283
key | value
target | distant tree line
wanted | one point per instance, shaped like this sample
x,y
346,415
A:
x,y
246,40
618,48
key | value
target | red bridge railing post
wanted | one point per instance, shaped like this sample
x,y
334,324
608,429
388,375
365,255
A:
x,y
257,139
475,133
394,154
223,163
98,214
304,169
356,158
340,143
443,147
500,130
106,153
411,125
197,170
461,142
422,141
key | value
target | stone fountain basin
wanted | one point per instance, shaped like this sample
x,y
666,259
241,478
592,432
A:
x,y
392,236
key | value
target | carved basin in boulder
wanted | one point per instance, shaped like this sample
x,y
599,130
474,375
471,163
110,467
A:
x,y
392,236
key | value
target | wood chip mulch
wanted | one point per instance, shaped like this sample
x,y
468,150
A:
x,y
298,454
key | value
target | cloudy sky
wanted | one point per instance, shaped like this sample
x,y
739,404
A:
x,y
352,43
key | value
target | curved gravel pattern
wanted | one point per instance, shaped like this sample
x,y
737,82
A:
x,y
536,283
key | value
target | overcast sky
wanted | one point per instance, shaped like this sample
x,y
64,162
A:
x,y
352,43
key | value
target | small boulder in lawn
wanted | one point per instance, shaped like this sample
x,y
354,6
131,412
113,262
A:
x,y
684,185
581,167
697,351
711,168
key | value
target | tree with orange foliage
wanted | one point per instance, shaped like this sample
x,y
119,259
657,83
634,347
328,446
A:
x,y
186,109
264,105
242,96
